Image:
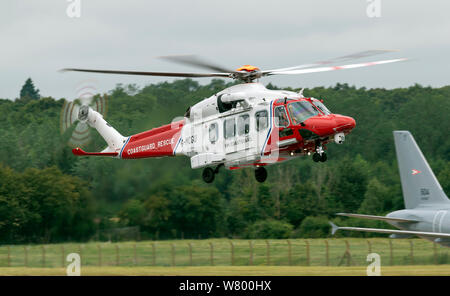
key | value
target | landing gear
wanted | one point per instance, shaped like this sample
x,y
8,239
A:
x,y
319,155
316,157
208,175
260,174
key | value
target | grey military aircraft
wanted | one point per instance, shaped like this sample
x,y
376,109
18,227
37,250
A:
x,y
426,204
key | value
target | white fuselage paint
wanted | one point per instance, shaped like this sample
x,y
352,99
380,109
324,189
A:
x,y
205,128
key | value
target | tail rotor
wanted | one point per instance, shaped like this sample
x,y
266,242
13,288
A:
x,y
74,114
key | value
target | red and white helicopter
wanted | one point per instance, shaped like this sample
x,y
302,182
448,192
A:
x,y
246,125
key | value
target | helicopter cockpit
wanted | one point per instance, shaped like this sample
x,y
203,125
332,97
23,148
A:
x,y
321,106
311,118
301,111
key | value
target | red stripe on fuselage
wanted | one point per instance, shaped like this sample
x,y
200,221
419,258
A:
x,y
157,142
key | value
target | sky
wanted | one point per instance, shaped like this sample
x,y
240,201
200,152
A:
x,y
38,38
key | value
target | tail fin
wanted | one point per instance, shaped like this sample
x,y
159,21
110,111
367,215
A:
x,y
112,137
419,184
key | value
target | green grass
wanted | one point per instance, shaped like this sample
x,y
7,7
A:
x,y
140,254
414,270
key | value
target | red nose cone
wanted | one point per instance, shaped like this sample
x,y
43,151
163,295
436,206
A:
x,y
330,125
352,122
345,122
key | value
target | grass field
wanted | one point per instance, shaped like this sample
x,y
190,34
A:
x,y
224,253
411,270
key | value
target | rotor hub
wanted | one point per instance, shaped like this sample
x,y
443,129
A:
x,y
248,68
83,113
247,73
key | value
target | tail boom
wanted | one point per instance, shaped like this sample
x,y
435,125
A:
x,y
158,142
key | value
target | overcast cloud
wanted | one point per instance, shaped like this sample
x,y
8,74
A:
x,y
38,39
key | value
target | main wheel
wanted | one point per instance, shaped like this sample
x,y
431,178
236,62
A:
x,y
316,157
323,157
261,174
208,175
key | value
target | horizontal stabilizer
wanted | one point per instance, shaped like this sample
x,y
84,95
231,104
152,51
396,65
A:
x,y
400,236
402,232
334,228
381,218
79,152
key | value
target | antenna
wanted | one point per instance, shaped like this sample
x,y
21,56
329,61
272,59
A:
x,y
301,93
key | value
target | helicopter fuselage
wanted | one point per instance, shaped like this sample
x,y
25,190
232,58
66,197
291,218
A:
x,y
244,125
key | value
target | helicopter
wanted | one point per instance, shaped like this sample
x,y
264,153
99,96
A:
x,y
245,125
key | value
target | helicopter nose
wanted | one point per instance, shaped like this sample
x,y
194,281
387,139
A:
x,y
345,122
327,125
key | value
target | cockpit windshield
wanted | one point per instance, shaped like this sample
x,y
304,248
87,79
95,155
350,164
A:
x,y
300,111
321,107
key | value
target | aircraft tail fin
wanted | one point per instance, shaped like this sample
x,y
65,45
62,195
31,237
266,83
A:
x,y
111,136
419,184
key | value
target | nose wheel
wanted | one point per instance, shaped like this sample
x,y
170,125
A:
x,y
260,174
319,155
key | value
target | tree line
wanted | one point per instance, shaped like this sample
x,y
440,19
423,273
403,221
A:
x,y
49,195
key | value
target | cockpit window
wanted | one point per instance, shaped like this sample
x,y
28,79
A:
x,y
321,107
300,111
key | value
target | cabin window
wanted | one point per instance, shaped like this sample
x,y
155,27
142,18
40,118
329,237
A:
x,y
281,118
229,128
213,133
243,124
262,120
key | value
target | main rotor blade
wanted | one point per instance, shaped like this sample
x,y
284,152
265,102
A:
x,y
325,69
168,74
353,56
195,61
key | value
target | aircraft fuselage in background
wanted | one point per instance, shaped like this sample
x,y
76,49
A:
x,y
427,207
